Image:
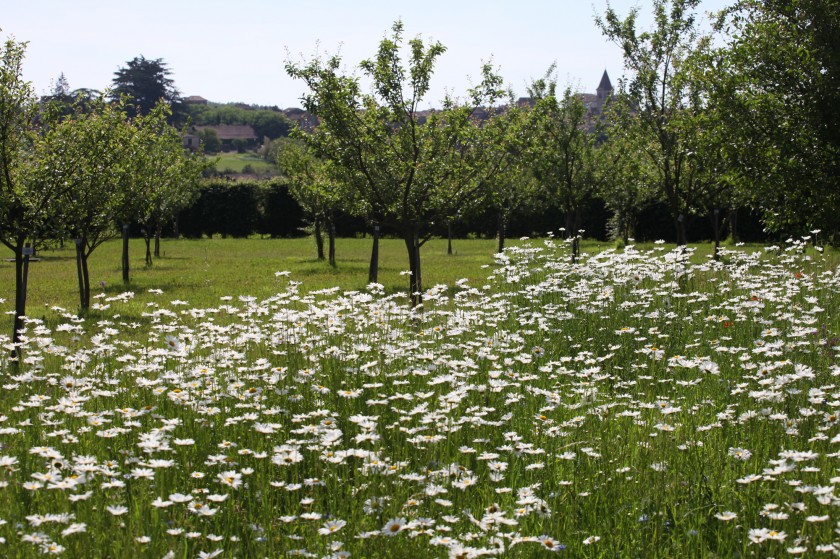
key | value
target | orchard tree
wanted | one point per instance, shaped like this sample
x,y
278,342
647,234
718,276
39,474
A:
x,y
162,175
88,153
776,79
27,200
313,185
513,190
563,154
405,172
626,188
514,187
158,178
657,91
712,173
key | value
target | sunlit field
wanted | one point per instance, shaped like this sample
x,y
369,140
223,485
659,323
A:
x,y
642,403
202,270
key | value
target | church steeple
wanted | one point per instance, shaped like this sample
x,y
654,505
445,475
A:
x,y
605,87
603,92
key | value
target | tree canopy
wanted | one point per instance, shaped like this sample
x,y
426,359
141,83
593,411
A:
x,y
27,201
266,122
145,82
403,168
658,92
776,83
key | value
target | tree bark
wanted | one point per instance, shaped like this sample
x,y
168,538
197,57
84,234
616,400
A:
x,y
147,238
625,228
679,226
733,225
331,235
85,281
412,245
572,227
125,263
448,239
502,230
319,240
84,276
21,278
25,285
79,250
717,230
158,231
373,272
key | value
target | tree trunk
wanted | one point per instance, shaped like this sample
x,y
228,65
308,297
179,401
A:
x,y
319,240
572,226
85,280
84,276
147,238
373,272
733,225
27,254
679,226
125,267
79,250
448,239
21,278
625,228
331,234
502,230
158,231
412,244
716,227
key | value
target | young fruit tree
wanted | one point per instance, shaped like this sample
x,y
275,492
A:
x,y
313,186
406,169
658,90
161,175
88,152
564,155
27,202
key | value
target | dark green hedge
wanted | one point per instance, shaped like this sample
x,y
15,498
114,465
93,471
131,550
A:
x,y
242,208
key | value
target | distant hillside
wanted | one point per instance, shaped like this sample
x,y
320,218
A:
x,y
267,122
245,127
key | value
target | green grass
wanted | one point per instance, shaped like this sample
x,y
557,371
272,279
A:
x,y
203,270
236,162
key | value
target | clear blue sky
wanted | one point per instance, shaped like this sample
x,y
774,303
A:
x,y
232,50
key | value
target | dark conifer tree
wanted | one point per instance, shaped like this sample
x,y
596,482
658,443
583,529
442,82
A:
x,y
146,82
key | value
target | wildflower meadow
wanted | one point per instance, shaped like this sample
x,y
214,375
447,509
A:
x,y
635,403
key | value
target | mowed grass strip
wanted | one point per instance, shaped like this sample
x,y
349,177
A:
x,y
202,270
236,162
